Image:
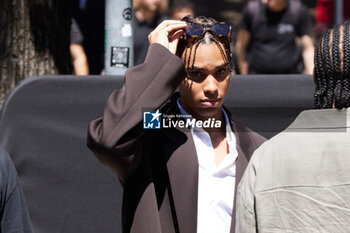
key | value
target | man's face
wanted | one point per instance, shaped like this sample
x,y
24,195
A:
x,y
276,5
179,14
204,90
151,5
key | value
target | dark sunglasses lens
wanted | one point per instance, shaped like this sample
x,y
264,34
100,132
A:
x,y
194,30
221,29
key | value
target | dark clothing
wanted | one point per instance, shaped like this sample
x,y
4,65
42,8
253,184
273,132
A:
x,y
141,30
157,168
272,48
76,37
91,21
14,213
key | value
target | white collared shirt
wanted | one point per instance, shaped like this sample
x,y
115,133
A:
x,y
216,185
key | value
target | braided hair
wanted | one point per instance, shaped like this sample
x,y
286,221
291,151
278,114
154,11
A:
x,y
332,68
186,45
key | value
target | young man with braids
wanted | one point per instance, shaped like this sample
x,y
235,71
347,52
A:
x,y
179,179
298,181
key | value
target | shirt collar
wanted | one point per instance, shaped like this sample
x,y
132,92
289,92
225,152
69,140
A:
x,y
322,120
185,114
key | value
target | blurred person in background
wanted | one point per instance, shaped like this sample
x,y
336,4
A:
x,y
147,17
298,181
180,9
14,217
324,18
80,62
266,41
90,17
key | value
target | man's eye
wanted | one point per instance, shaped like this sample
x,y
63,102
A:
x,y
194,74
222,71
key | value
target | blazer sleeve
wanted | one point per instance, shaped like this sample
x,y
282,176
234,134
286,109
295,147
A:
x,y
114,138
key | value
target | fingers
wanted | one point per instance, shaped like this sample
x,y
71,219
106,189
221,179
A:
x,y
176,35
175,40
166,29
167,23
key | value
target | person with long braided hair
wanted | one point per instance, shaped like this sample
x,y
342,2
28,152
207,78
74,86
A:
x,y
299,181
181,175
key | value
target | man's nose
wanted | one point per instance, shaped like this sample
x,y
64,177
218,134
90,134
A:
x,y
210,85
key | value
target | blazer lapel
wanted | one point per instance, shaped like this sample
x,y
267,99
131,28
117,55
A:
x,y
182,164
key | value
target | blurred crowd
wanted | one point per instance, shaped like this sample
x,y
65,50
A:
x,y
273,36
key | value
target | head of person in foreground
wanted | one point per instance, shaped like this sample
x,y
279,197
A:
x,y
332,68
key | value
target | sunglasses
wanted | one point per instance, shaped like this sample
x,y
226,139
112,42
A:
x,y
218,29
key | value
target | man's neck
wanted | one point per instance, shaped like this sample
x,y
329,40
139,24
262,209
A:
x,y
219,142
219,116
217,134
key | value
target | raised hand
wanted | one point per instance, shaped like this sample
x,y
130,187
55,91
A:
x,y
167,34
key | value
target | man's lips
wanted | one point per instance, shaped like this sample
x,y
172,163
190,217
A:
x,y
211,102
